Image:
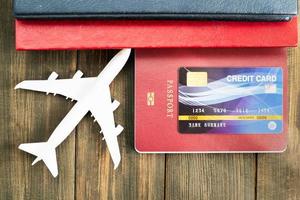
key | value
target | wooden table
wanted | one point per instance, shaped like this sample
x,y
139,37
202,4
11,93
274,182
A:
x,y
85,168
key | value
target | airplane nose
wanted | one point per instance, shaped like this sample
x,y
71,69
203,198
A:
x,y
125,52
18,86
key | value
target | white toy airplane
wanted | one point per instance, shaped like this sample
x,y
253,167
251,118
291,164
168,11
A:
x,y
91,94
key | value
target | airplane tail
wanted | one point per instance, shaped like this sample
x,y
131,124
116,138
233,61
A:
x,y
44,152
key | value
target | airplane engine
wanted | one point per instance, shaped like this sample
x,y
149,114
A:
x,y
78,75
115,104
119,130
53,76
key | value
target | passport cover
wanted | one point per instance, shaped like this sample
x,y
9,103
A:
x,y
158,9
105,34
164,95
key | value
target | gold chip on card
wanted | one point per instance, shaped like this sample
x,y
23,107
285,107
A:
x,y
196,79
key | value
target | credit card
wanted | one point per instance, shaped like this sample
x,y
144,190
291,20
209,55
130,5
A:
x,y
237,100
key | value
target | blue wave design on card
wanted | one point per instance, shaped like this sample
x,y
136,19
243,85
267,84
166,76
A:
x,y
254,91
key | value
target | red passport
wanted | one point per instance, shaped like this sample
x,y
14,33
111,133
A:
x,y
106,34
211,100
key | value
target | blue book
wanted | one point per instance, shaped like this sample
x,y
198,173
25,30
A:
x,y
242,10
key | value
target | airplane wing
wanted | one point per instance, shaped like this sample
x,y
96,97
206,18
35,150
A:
x,y
70,88
102,109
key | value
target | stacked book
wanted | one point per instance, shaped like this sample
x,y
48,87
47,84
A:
x,y
95,24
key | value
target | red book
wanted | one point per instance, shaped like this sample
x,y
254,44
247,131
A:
x,y
163,100
97,34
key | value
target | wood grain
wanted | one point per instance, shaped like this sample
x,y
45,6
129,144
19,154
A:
x,y
139,176
211,176
31,117
85,167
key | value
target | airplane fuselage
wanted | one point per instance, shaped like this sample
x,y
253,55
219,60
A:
x,y
74,116
67,125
